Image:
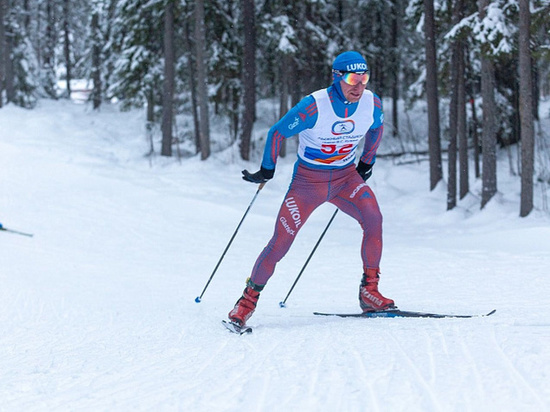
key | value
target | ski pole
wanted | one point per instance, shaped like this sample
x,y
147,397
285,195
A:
x,y
5,229
198,298
283,303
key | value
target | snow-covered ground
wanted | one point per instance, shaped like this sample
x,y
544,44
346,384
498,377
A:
x,y
97,310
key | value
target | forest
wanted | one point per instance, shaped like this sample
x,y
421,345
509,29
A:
x,y
482,68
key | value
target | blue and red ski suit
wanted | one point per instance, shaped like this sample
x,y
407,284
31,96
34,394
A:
x,y
329,129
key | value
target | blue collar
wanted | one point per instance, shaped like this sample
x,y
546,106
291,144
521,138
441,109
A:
x,y
339,94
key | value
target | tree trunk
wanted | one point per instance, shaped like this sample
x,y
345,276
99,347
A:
x,y
471,97
461,121
27,18
192,86
236,105
67,45
488,145
436,173
526,109
202,92
50,43
96,61
475,137
169,78
461,126
453,110
2,51
395,63
249,77
9,74
458,139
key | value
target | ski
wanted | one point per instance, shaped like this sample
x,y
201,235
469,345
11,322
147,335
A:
x,y
397,313
236,328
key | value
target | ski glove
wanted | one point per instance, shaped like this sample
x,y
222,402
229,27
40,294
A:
x,y
261,176
364,170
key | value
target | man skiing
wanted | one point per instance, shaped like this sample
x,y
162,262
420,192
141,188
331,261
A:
x,y
330,123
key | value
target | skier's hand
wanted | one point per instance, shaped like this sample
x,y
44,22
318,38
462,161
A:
x,y
364,170
261,176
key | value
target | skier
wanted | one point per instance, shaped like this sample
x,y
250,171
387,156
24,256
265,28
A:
x,y
330,122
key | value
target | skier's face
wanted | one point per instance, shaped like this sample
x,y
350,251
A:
x,y
352,93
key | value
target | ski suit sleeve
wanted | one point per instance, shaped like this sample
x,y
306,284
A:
x,y
374,134
301,117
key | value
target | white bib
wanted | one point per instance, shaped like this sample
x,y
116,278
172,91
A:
x,y
333,140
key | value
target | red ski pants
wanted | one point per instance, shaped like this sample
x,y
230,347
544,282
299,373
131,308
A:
x,y
309,189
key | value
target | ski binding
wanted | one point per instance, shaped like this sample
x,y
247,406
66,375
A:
x,y
236,328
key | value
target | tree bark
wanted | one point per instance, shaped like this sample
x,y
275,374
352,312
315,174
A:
x,y
475,137
9,73
470,95
461,126
436,173
458,138
48,48
461,121
67,45
249,77
169,78
96,61
395,64
2,51
150,120
202,92
192,85
27,18
453,110
488,144
526,109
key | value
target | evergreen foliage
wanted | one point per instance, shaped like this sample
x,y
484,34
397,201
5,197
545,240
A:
x,y
296,43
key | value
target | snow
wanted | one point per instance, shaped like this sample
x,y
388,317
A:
x,y
98,311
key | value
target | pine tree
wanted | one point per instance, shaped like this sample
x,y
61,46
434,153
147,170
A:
x,y
137,36
19,69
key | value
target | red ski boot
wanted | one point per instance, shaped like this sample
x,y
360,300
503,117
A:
x,y
370,299
245,306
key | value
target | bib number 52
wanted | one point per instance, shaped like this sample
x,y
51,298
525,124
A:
x,y
332,148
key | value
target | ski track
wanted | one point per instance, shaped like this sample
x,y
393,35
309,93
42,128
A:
x,y
359,358
425,387
473,374
516,375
